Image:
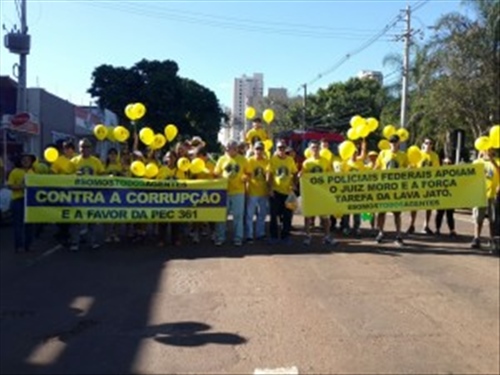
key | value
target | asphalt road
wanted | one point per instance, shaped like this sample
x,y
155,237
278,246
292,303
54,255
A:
x,y
430,307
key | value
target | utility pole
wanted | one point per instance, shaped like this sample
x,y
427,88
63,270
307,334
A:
x,y
21,92
305,106
406,65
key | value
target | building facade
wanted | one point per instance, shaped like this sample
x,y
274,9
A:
x,y
248,91
371,74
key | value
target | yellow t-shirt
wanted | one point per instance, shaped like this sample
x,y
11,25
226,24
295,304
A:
x,y
115,169
167,173
88,166
256,169
491,177
355,165
63,165
41,168
234,170
16,177
429,159
282,171
256,135
391,160
312,165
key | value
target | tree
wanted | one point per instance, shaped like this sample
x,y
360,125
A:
x,y
168,98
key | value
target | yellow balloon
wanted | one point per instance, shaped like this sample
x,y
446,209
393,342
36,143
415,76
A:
x,y
268,115
346,150
100,132
250,113
121,133
171,132
151,170
51,154
197,166
129,111
268,144
183,164
353,134
414,155
111,134
372,123
158,141
146,135
388,131
139,110
495,136
355,121
308,153
137,168
384,144
482,143
363,130
326,153
403,134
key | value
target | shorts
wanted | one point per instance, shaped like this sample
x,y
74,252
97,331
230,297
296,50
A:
x,y
479,213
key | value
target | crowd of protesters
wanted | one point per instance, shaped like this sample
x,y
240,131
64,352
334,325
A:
x,y
259,186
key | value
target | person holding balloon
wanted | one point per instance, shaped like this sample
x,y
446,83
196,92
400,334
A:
x,y
392,158
257,194
429,158
62,164
232,166
316,164
112,167
15,182
257,133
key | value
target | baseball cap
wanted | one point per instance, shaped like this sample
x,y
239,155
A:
x,y
258,144
394,138
373,153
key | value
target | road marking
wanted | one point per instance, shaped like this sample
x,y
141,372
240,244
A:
x,y
45,255
277,371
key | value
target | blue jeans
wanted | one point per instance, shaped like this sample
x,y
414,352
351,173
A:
x,y
259,204
22,231
235,206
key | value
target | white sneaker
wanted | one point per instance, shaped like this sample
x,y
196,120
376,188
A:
x,y
73,248
95,246
329,241
196,238
307,241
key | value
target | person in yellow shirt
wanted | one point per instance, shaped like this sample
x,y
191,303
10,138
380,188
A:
x,y
257,194
316,164
281,179
63,164
112,167
429,159
85,164
170,171
15,182
231,166
392,158
492,178
257,133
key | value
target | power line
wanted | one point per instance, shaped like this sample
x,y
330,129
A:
x,y
365,45
235,23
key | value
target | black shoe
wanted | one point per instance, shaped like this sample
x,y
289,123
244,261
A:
x,y
475,244
399,241
453,234
410,230
428,231
249,240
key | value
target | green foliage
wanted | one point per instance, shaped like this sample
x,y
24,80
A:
x,y
168,98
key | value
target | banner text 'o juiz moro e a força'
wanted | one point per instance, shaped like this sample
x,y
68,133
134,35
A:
x,y
429,188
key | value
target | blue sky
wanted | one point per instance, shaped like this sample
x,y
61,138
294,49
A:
x,y
290,42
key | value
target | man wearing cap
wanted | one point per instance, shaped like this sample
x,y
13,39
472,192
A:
x,y
85,164
391,159
232,166
15,182
257,194
281,178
